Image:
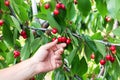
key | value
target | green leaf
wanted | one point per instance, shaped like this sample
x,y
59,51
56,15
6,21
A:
x,y
79,67
116,32
9,58
114,10
7,34
103,11
16,23
90,43
101,48
58,75
97,36
25,51
2,46
88,52
72,55
53,22
23,14
35,44
84,7
71,12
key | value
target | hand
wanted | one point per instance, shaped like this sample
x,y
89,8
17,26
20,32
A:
x,y
48,57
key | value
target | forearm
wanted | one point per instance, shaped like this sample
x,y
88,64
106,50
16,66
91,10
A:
x,y
22,71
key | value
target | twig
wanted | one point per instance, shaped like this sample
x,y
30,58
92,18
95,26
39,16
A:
x,y
101,41
106,43
101,73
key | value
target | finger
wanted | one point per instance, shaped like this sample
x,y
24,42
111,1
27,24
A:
x,y
49,45
58,63
62,45
59,51
58,57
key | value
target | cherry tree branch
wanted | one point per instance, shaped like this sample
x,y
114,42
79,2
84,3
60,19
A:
x,y
106,43
102,70
101,41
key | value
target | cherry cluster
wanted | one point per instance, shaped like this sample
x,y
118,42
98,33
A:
x,y
23,34
61,39
16,53
56,10
108,57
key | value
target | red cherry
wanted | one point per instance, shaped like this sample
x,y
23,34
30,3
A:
x,y
108,19
16,53
23,33
112,48
64,39
114,52
75,1
1,22
47,6
58,5
56,12
53,39
7,3
68,41
108,57
54,30
92,56
24,36
102,61
62,6
112,59
59,39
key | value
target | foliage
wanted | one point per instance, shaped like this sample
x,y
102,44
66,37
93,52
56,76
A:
x,y
84,23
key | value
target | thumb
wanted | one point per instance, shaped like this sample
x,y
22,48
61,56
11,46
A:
x,y
49,45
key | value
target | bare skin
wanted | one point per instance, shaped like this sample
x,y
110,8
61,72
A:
x,y
47,58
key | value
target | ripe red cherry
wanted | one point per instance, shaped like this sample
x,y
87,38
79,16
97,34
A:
x,y
7,3
75,1
58,5
54,30
59,39
68,41
112,48
62,6
108,19
112,59
16,53
102,61
56,12
108,57
64,39
23,34
53,39
1,22
47,6
92,56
